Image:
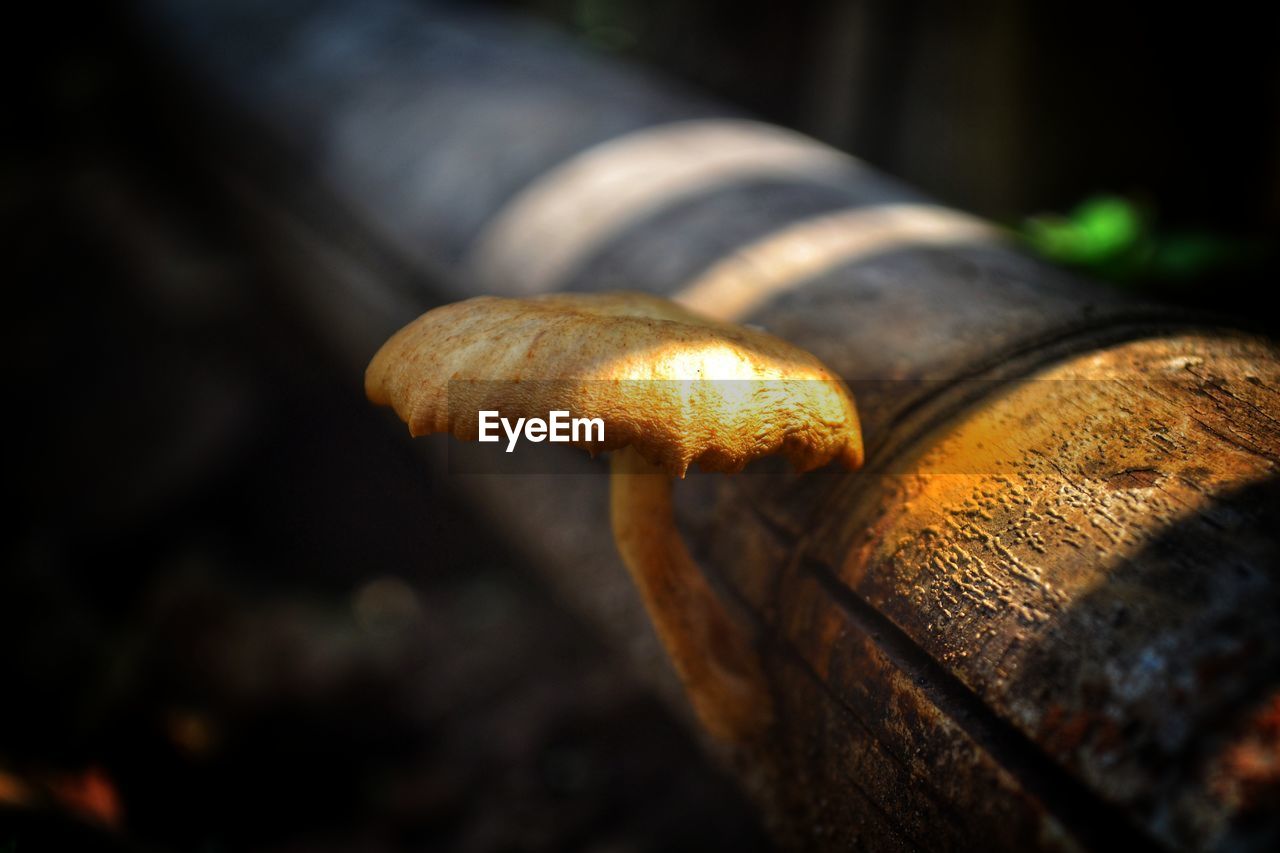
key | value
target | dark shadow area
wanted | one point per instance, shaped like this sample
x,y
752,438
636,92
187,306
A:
x,y
237,611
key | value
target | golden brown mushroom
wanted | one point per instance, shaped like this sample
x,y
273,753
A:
x,y
672,389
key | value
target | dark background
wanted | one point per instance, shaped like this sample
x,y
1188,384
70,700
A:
x,y
1003,107
236,611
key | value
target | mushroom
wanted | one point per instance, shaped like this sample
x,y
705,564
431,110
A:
x,y
672,389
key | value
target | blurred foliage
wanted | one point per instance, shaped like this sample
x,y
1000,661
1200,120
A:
x,y
1007,107
1121,240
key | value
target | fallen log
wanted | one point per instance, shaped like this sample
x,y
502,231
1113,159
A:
x,y
1046,614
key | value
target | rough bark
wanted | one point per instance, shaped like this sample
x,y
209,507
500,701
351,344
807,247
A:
x,y
1047,614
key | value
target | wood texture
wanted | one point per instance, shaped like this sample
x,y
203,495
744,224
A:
x,y
1074,580
1047,615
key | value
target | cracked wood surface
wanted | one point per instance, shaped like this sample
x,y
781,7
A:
x,y
1091,554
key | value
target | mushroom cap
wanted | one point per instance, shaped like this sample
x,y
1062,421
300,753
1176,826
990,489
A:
x,y
676,387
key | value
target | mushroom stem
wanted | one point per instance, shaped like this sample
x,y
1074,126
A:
x,y
711,651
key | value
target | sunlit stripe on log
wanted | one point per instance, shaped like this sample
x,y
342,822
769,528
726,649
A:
x,y
538,239
786,259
